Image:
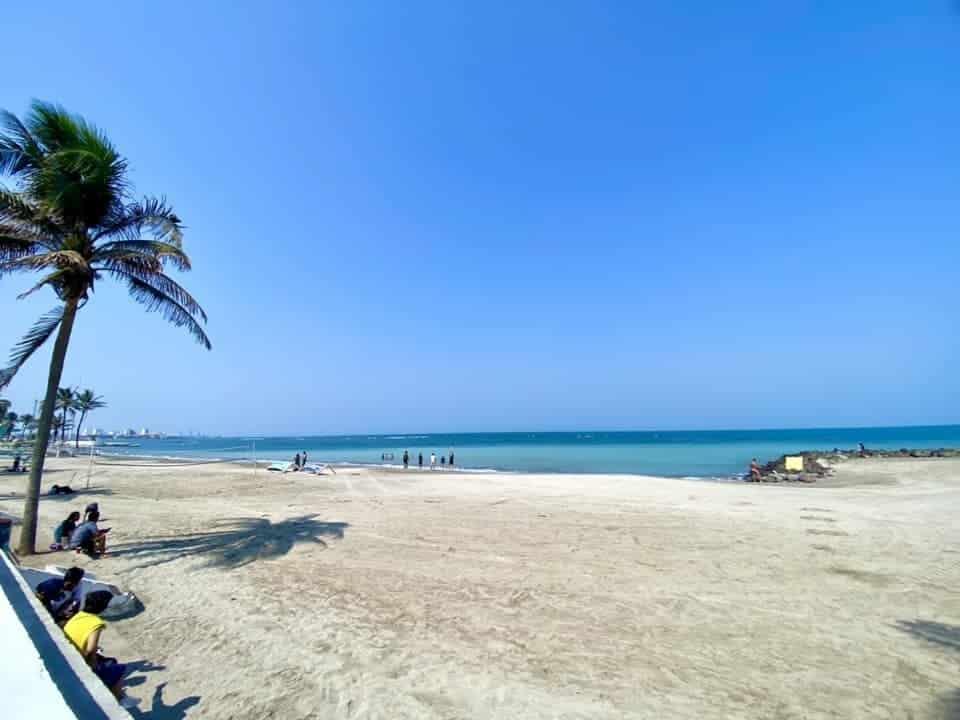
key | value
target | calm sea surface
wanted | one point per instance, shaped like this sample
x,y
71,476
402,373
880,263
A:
x,y
674,453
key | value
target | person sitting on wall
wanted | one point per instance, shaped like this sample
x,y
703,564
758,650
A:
x,y
62,597
84,630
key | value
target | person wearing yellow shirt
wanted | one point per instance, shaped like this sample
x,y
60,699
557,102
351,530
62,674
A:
x,y
84,630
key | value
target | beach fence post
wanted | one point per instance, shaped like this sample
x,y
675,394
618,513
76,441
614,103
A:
x,y
90,466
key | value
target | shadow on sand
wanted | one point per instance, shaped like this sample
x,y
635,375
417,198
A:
x,y
947,706
159,710
947,636
78,493
234,541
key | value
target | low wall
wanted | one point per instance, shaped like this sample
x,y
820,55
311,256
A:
x,y
41,673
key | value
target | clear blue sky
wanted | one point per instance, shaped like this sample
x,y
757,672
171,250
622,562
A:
x,y
494,216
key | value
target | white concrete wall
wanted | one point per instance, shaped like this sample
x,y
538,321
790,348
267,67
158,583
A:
x,y
42,676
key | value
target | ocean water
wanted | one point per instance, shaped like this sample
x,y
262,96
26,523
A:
x,y
713,454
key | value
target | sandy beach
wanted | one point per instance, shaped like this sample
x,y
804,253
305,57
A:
x,y
372,594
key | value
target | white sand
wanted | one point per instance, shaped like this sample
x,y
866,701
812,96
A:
x,y
531,596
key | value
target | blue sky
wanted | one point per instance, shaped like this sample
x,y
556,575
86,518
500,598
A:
x,y
495,216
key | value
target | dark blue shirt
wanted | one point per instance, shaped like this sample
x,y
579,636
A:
x,y
83,534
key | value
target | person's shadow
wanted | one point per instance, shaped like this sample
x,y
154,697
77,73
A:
x,y
159,710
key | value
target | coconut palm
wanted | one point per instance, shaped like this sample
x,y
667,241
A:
x,y
72,217
84,402
56,424
26,424
8,423
64,402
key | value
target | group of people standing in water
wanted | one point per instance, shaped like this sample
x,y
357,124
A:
x,y
444,462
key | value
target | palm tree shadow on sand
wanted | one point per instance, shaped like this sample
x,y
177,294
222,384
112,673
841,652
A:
x,y
234,542
947,706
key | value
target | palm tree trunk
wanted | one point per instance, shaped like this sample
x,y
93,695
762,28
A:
x,y
28,531
76,444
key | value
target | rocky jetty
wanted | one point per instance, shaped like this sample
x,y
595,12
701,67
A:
x,y
819,463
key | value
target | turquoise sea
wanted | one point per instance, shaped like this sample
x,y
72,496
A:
x,y
716,454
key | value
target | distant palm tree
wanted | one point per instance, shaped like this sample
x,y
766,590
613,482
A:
x,y
64,403
72,217
26,424
84,403
9,423
55,424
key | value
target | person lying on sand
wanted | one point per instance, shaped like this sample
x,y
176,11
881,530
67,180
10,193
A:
x,y
62,596
84,630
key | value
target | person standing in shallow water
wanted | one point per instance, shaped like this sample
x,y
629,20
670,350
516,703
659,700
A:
x,y
420,460
406,459
451,458
433,461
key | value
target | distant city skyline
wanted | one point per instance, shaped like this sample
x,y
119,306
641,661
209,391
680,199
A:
x,y
453,217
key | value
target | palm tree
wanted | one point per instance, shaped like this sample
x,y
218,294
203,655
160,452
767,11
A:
x,y
72,217
85,402
56,424
26,424
9,422
64,402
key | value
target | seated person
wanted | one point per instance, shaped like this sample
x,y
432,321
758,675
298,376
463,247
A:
x,y
16,463
88,538
84,630
63,531
62,596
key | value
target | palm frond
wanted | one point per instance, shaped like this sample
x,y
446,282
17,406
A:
x,y
81,173
19,150
14,248
162,283
87,401
52,280
56,258
31,342
174,312
21,218
151,214
153,249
